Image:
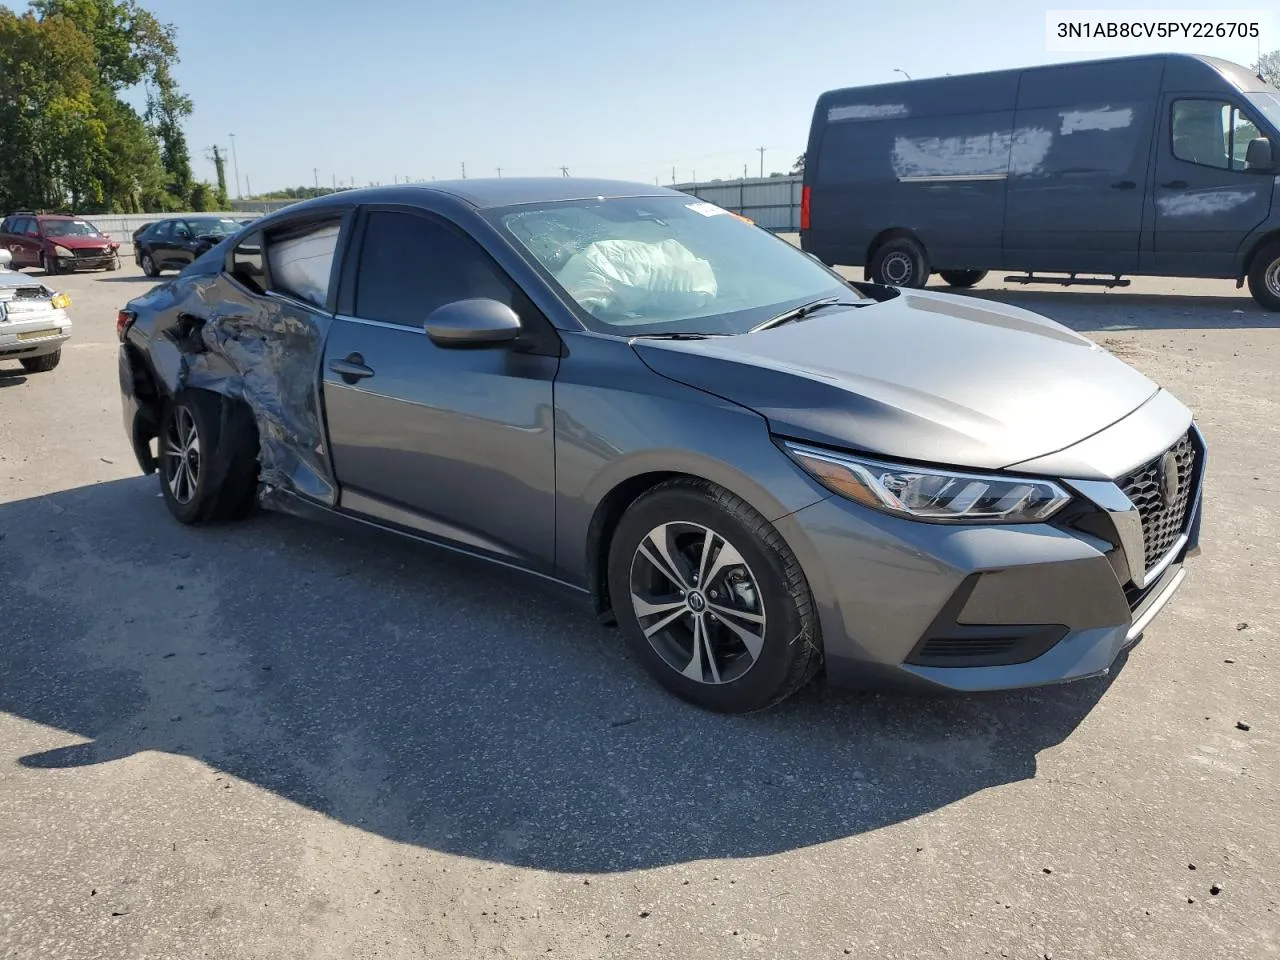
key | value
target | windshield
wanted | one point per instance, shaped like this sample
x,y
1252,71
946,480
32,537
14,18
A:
x,y
213,226
1268,105
661,265
69,228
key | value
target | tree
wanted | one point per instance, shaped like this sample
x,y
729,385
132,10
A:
x,y
797,168
202,197
63,68
1268,67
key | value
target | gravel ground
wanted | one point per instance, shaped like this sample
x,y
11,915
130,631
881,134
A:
x,y
281,739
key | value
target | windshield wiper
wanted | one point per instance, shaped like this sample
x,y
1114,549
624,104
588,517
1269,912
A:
x,y
804,310
675,336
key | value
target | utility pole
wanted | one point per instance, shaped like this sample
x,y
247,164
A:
x,y
247,189
316,173
673,173
396,179
235,162
761,149
335,183
219,165
744,171
564,171
464,171
499,173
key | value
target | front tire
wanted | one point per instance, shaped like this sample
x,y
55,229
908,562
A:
x,y
900,262
208,458
48,265
962,278
41,364
1264,277
711,599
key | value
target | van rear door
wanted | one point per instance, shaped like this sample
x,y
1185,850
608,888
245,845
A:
x,y
1206,203
1078,173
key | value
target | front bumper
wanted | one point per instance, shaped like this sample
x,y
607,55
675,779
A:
x,y
978,608
72,264
33,334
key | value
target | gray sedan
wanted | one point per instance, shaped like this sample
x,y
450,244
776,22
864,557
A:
x,y
757,469
33,320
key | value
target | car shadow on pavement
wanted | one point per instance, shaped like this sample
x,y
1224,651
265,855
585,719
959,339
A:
x,y
1120,311
437,701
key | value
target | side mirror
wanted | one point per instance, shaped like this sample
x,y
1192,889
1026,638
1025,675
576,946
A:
x,y
1258,157
478,322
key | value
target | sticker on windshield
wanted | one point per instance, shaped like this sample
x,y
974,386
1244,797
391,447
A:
x,y
706,209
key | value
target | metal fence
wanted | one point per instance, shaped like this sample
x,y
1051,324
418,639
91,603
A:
x,y
772,202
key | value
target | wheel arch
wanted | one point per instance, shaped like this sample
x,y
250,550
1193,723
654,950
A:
x,y
617,491
1262,243
893,233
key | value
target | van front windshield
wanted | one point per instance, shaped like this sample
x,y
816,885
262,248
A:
x,y
1268,104
642,266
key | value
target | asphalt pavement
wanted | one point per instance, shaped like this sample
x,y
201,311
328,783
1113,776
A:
x,y
283,739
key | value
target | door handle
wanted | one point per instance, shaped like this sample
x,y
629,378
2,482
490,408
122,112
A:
x,y
1124,185
351,369
1174,184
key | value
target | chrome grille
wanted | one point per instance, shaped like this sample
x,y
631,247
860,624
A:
x,y
1163,522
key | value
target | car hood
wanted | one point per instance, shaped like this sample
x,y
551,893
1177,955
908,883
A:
x,y
80,243
920,376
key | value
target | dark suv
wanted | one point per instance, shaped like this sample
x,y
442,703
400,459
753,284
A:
x,y
57,243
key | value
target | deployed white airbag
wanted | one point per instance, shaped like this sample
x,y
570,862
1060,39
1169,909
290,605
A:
x,y
631,276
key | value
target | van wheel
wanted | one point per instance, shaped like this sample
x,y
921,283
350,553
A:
x,y
1264,277
208,458
962,278
899,263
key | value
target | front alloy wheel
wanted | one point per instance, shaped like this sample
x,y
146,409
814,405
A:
x,y
711,599
698,602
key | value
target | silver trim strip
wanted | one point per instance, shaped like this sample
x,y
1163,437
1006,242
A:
x,y
1144,621
954,178
1128,522
1163,563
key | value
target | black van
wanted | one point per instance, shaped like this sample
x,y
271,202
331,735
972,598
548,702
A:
x,y
1156,165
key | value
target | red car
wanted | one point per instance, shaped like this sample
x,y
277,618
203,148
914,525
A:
x,y
57,243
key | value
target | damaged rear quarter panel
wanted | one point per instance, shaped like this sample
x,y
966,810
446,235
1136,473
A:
x,y
205,332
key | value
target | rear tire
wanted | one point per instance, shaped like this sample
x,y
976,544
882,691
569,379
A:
x,y
962,278
1264,277
42,364
900,262
149,266
747,600
208,458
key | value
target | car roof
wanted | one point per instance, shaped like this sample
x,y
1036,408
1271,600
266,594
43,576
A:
x,y
493,192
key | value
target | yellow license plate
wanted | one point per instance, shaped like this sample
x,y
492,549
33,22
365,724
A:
x,y
37,334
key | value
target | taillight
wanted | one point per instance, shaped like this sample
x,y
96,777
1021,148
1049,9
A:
x,y
123,319
804,208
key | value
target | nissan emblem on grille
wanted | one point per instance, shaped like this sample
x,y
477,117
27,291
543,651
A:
x,y
1161,492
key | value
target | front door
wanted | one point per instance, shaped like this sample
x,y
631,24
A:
x,y
454,443
1206,203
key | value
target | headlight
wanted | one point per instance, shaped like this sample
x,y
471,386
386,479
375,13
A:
x,y
928,493
62,251
60,301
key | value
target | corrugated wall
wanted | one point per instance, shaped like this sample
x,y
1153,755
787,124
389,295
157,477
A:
x,y
772,202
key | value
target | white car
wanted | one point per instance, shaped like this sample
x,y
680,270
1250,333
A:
x,y
33,320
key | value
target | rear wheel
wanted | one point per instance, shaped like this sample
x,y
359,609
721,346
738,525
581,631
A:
x,y
41,364
962,278
899,262
711,599
149,266
1264,277
208,458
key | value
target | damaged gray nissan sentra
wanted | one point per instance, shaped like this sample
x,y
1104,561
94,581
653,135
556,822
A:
x,y
756,468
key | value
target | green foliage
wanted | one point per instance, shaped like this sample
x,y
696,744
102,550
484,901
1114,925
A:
x,y
1268,67
70,140
203,197
797,168
299,193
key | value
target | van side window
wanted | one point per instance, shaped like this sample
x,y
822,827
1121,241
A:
x,y
1211,133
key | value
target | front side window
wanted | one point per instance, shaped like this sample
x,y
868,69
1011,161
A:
x,y
410,265
653,265
213,227
32,228
70,228
1212,133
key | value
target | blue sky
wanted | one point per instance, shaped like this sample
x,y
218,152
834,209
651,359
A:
x,y
390,89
